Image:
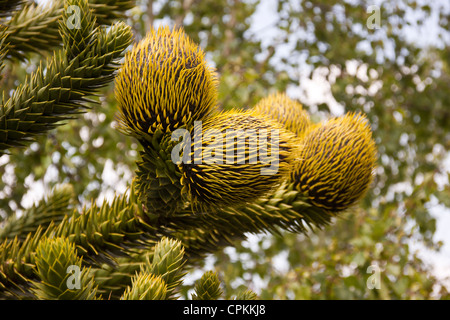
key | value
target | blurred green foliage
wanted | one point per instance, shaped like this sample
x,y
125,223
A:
x,y
401,84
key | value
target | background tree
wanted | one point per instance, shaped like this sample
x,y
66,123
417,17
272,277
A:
x,y
401,85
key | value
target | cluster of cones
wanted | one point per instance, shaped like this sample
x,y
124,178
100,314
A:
x,y
165,84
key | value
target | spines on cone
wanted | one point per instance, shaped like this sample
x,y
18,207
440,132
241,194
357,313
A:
x,y
286,111
336,162
242,156
165,83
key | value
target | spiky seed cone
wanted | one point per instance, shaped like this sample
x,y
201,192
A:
x,y
286,111
336,163
229,166
164,83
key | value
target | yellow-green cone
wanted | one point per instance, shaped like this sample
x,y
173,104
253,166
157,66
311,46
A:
x,y
244,173
286,111
336,162
164,83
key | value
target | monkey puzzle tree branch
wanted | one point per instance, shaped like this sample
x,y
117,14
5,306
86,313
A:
x,y
60,89
34,29
286,209
100,234
52,209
